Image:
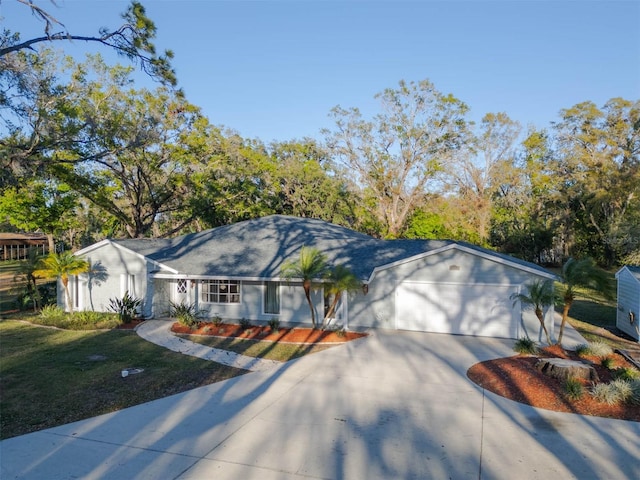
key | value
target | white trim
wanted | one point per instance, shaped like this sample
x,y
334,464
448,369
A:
x,y
107,241
461,248
95,246
169,276
463,284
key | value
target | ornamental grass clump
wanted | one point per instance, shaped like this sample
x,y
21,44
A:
x,y
526,346
573,389
613,393
274,324
635,392
626,373
595,349
607,362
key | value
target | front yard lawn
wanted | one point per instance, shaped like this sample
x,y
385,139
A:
x,y
50,377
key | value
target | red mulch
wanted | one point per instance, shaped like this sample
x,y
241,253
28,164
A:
x,y
516,378
265,333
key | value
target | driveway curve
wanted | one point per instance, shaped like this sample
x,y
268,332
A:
x,y
391,405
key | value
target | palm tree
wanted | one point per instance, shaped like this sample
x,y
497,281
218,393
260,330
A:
x,y
541,295
341,279
62,265
26,271
310,266
581,273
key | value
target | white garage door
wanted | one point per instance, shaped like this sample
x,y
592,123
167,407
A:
x,y
484,310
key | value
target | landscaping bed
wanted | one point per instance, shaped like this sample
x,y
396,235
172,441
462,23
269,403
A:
x,y
267,333
518,379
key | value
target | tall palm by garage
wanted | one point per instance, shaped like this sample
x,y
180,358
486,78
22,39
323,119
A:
x,y
581,273
540,296
341,279
62,265
310,266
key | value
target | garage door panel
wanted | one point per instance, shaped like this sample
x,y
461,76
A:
x,y
484,310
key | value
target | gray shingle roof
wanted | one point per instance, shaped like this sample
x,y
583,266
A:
x,y
257,248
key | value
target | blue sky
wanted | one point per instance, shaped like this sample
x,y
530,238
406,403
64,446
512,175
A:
x,y
273,69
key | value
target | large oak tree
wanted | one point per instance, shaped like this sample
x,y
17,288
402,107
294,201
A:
x,y
394,156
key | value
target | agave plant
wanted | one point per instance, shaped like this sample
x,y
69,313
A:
x,y
126,307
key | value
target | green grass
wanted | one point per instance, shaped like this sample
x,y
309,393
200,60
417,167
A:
x,y
52,376
255,348
594,317
48,376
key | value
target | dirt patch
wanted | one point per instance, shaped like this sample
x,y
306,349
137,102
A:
x,y
517,378
267,334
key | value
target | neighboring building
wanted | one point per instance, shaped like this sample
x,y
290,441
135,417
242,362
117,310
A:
x,y
15,246
628,311
234,272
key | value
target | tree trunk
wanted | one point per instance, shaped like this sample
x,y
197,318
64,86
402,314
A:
x,y
565,314
51,242
544,328
332,308
65,284
307,292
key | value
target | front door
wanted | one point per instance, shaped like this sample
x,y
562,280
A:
x,y
181,292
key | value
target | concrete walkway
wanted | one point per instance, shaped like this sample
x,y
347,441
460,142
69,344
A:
x,y
392,405
159,332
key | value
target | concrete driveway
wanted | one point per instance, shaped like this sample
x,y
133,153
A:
x,y
393,405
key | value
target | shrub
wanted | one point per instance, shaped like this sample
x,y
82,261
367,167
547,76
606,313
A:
x,y
216,320
88,320
607,362
245,324
126,307
47,292
635,391
52,312
582,349
84,320
44,296
186,313
274,324
341,333
626,373
525,345
573,389
613,393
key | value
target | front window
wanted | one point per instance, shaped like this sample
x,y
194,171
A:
x,y
272,298
221,291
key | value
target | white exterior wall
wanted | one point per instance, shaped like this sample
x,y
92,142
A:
x,y
293,303
378,307
115,272
628,301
